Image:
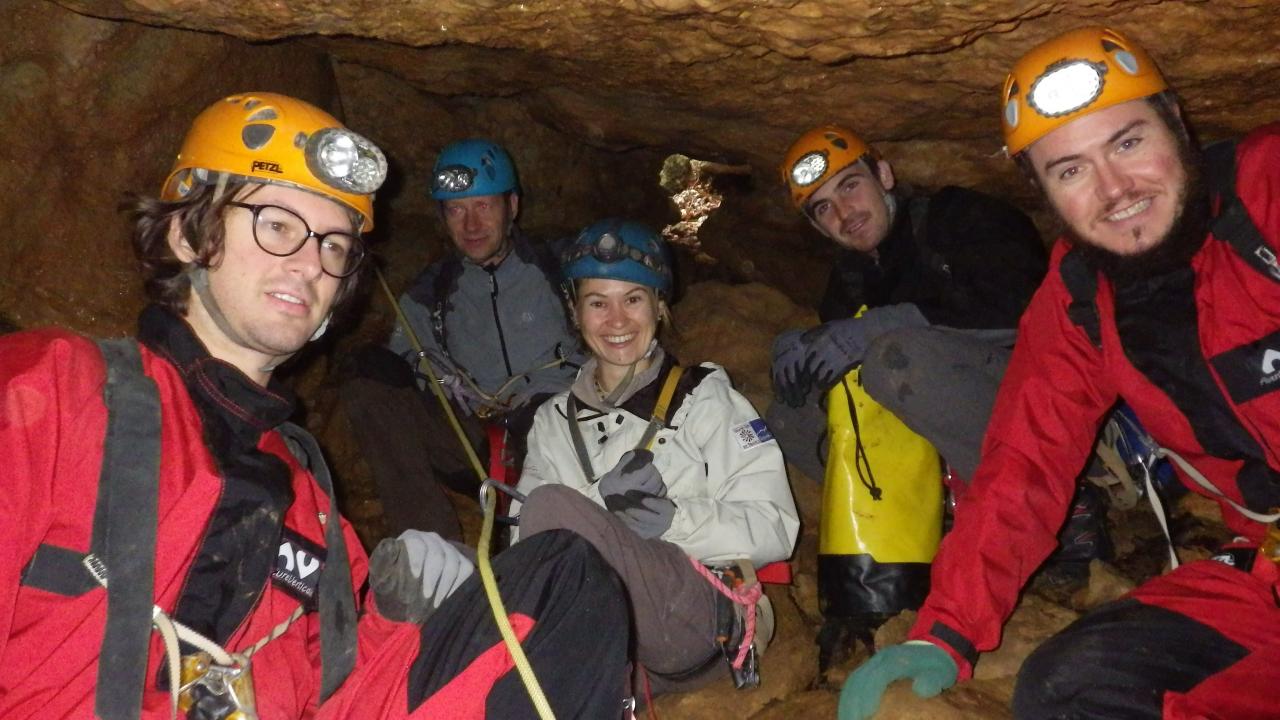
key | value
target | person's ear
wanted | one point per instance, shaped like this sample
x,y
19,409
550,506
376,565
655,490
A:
x,y
884,173
664,312
178,242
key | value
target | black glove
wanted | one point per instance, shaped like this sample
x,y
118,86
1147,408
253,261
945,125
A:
x,y
791,380
634,492
837,347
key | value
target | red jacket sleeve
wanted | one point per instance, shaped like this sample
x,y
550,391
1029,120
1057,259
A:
x,y
50,403
1047,412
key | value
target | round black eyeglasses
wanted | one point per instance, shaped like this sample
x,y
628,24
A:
x,y
282,232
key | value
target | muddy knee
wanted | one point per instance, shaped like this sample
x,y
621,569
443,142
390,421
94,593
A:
x,y
891,365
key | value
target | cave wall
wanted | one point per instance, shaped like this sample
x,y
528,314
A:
x,y
736,80
95,109
590,95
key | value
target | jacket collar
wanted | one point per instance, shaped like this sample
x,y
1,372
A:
x,y
218,383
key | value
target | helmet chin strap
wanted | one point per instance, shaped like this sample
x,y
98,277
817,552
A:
x,y
200,283
621,387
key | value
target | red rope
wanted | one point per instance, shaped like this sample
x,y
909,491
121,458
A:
x,y
648,695
746,597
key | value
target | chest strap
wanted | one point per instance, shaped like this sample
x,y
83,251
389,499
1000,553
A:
x,y
657,421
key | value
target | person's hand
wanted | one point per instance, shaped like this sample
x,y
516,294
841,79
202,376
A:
x,y
413,574
790,378
839,346
928,666
833,349
461,394
635,492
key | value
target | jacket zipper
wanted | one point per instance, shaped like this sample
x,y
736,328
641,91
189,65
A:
x,y
497,321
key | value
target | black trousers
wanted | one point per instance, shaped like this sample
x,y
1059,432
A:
x,y
1117,662
578,644
569,612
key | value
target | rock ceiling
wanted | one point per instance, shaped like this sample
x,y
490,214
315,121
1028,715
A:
x,y
736,80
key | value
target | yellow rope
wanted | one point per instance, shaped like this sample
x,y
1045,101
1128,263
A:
x,y
499,612
486,529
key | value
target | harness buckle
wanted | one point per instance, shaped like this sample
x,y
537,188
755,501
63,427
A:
x,y
211,691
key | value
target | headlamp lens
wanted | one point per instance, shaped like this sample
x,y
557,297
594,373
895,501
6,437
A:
x,y
809,168
607,248
1066,87
453,179
346,161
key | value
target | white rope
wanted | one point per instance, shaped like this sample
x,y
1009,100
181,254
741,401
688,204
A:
x,y
1204,482
171,631
1158,507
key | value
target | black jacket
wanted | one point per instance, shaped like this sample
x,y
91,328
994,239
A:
x,y
965,259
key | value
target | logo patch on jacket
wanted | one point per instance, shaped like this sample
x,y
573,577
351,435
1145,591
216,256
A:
x,y
751,434
298,566
1252,370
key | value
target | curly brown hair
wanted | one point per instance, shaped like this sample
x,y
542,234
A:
x,y
199,216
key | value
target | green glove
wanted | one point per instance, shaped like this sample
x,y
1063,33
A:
x,y
931,668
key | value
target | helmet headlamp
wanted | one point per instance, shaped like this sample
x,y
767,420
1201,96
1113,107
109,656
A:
x,y
809,168
453,179
1076,73
1066,87
345,160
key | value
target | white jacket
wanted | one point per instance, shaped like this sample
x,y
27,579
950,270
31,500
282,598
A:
x,y
722,468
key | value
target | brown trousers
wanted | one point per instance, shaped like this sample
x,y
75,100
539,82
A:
x,y
673,608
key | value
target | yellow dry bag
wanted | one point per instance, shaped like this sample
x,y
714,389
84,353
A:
x,y
882,507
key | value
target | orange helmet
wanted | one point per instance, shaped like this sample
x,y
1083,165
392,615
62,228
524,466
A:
x,y
271,138
1072,75
816,156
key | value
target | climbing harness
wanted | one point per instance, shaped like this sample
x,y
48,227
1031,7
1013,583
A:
x,y
489,501
657,420
123,542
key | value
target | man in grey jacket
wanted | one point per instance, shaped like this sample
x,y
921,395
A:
x,y
490,319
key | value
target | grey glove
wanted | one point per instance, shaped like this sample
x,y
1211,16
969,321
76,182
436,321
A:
x,y
791,381
837,347
413,574
634,492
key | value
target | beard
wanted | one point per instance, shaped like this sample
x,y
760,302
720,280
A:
x,y
1185,237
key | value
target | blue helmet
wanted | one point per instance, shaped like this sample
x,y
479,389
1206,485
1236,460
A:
x,y
472,167
619,250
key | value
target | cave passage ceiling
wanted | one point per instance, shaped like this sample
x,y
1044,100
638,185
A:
x,y
590,96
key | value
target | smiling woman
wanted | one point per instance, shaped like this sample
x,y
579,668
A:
x,y
665,471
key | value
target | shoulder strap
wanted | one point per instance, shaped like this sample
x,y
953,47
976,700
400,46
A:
x,y
445,282
337,595
660,415
575,435
124,532
124,527
545,259
1082,282
659,418
1233,223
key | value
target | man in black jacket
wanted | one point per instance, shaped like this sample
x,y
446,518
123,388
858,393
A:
x,y
944,278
